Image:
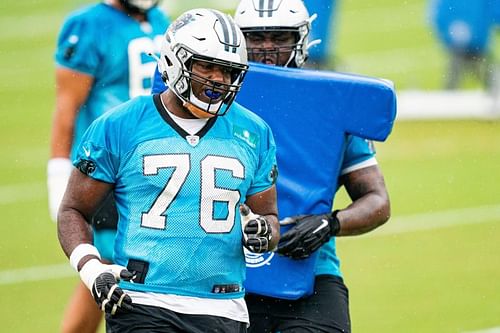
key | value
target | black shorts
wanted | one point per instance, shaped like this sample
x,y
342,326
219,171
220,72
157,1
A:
x,y
152,319
327,310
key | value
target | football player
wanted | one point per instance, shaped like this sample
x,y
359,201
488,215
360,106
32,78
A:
x,y
193,176
102,61
277,34
465,29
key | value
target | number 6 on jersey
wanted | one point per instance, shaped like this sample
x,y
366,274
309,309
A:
x,y
181,165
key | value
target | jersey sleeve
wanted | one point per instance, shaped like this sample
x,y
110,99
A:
x,y
359,154
96,156
267,171
77,46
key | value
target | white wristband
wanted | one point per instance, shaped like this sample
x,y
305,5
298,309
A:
x,y
81,251
93,268
90,271
58,172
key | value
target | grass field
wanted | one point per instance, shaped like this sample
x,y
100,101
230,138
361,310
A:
x,y
434,267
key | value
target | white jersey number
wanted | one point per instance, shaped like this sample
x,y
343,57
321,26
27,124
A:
x,y
141,70
210,193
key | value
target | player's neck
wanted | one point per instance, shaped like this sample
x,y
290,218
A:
x,y
174,105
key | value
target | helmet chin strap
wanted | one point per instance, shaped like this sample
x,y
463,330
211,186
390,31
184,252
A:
x,y
291,59
196,111
211,108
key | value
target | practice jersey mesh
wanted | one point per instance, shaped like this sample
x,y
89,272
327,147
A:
x,y
178,201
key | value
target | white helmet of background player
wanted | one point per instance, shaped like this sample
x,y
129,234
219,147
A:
x,y
278,15
203,35
139,6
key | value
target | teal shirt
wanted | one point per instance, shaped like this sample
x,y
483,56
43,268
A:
x,y
178,199
112,48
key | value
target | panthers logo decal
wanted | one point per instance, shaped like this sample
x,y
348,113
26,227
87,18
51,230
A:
x,y
181,22
254,260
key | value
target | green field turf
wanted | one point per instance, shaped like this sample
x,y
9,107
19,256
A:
x,y
434,267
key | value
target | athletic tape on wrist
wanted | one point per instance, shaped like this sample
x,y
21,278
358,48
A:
x,y
59,166
58,172
90,271
81,251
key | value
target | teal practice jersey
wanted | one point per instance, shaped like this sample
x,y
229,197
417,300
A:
x,y
113,48
178,194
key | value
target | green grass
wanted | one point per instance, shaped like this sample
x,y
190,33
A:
x,y
440,162
438,280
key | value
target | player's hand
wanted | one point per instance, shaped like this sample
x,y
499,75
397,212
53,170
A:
x,y
257,231
308,234
102,281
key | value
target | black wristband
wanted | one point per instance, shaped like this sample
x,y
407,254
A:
x,y
334,223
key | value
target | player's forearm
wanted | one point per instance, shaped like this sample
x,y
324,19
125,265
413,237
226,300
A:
x,y
72,90
60,146
59,165
370,207
62,134
82,197
72,229
264,203
364,215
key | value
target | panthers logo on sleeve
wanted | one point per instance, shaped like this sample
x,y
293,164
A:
x,y
70,50
87,167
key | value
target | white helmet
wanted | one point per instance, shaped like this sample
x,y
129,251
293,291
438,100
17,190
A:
x,y
204,35
139,6
278,15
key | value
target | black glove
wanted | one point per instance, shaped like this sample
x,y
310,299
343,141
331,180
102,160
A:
x,y
257,231
308,234
102,281
108,295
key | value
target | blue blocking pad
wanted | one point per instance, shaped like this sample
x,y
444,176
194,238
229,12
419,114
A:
x,y
495,6
464,24
310,113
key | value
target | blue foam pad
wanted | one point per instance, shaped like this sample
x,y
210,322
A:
x,y
310,113
463,24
